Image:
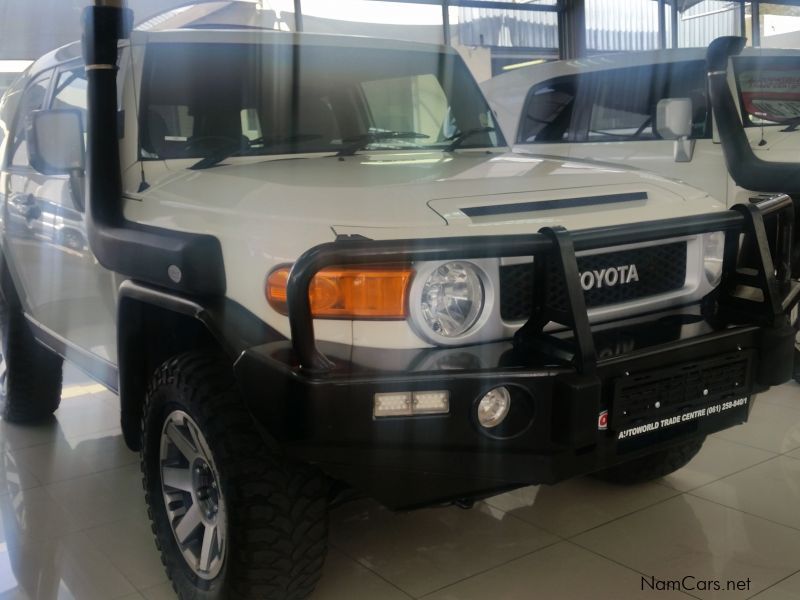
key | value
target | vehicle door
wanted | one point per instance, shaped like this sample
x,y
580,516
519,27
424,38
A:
x,y
64,287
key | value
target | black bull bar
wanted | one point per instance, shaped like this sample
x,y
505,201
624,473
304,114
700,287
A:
x,y
761,262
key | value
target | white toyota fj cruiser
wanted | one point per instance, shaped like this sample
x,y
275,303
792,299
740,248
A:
x,y
309,264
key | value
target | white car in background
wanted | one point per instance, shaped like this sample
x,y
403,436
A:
x,y
622,108
653,111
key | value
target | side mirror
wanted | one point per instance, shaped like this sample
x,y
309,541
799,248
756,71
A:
x,y
55,142
674,122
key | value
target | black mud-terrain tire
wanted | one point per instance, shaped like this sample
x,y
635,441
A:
x,y
652,466
797,353
31,376
277,510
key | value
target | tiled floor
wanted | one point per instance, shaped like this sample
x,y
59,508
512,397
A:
x,y
74,526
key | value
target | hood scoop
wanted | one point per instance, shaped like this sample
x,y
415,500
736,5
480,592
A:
x,y
562,203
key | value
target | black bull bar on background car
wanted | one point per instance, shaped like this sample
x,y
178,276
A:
x,y
320,404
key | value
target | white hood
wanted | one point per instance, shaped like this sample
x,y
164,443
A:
x,y
416,190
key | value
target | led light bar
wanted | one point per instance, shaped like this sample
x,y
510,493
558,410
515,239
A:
x,y
408,404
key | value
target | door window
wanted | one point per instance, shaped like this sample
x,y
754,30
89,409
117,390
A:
x,y
548,111
70,92
33,99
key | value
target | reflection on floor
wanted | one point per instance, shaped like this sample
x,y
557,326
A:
x,y
74,524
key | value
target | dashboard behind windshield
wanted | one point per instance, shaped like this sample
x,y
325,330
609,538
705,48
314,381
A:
x,y
202,99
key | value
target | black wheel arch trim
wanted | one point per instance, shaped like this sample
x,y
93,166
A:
x,y
226,323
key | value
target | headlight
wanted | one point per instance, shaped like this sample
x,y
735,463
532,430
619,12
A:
x,y
713,255
452,299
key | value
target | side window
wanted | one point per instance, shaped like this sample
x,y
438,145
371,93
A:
x,y
548,111
415,103
32,99
70,92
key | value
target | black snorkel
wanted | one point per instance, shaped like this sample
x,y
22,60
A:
x,y
185,262
746,169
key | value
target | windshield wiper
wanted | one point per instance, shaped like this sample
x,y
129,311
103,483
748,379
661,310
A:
x,y
360,142
462,136
792,125
227,152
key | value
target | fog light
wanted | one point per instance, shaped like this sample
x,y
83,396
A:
x,y
396,404
493,407
431,403
407,404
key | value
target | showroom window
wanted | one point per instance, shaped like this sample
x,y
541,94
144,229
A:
x,y
701,22
614,25
494,40
388,20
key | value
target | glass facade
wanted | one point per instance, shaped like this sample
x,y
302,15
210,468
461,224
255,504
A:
x,y
492,35
413,22
701,23
615,25
494,40
780,25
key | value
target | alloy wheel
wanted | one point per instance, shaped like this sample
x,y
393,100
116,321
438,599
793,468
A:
x,y
192,495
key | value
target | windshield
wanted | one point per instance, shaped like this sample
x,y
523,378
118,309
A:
x,y
769,89
245,99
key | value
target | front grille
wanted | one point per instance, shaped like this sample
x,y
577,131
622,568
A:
x,y
670,391
661,269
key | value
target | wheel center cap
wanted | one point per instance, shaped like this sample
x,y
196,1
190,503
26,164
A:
x,y
205,490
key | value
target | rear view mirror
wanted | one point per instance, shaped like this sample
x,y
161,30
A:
x,y
55,142
674,122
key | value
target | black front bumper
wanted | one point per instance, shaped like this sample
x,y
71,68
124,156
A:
x,y
404,462
583,399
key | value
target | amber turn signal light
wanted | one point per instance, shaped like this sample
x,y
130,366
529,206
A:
x,y
349,292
